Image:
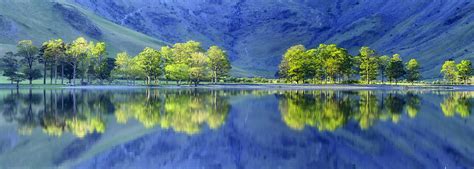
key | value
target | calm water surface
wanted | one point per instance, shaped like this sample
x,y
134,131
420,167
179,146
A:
x,y
197,128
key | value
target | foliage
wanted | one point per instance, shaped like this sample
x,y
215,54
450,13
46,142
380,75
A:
x,y
182,51
299,64
105,68
149,61
449,70
368,64
383,64
464,70
198,67
219,62
395,68
11,65
333,61
177,72
28,53
53,53
413,71
123,65
75,52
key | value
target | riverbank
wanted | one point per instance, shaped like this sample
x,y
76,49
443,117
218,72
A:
x,y
256,87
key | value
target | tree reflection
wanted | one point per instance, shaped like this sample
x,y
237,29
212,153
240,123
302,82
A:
x,y
183,111
369,110
457,103
56,113
325,110
81,113
413,104
329,110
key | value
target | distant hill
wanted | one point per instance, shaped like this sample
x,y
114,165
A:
x,y
41,20
256,33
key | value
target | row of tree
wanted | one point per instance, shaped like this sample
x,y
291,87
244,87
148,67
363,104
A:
x,y
180,62
78,59
88,61
333,63
460,72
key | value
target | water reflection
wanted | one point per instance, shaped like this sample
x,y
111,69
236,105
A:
x,y
81,112
183,111
459,103
330,110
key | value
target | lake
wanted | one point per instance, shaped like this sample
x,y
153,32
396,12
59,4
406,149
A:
x,y
230,128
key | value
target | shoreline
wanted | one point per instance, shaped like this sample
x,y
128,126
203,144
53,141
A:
x,y
259,87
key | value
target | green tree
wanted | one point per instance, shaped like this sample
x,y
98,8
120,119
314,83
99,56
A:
x,y
75,52
177,72
464,70
54,51
104,71
150,62
449,70
368,64
98,52
383,64
88,62
167,55
182,51
413,71
136,71
219,62
28,52
283,69
11,65
300,64
198,67
334,61
123,65
395,68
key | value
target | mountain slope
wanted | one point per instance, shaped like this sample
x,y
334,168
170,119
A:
x,y
256,33
41,20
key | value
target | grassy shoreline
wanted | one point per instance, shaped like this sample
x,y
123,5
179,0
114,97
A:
x,y
253,86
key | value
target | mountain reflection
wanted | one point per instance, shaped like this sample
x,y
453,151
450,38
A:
x,y
330,110
81,113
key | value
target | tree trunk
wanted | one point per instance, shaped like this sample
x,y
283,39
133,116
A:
x,y
82,78
55,74
44,71
215,77
62,73
74,74
51,75
382,77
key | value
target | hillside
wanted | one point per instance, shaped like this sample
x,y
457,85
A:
x,y
41,20
256,33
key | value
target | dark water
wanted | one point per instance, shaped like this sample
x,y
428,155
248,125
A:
x,y
165,128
